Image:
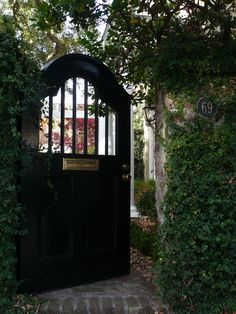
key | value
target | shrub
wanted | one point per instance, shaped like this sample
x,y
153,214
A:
x,y
145,198
145,240
16,94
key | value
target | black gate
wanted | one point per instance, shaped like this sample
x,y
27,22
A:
x,y
77,190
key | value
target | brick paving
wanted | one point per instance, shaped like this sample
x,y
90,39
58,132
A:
x,y
126,294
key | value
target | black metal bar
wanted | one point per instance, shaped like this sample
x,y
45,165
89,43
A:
x,y
85,116
74,117
62,118
96,123
50,124
116,132
106,128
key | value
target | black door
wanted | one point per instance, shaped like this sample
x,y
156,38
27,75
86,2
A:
x,y
76,188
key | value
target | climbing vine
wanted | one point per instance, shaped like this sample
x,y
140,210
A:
x,y
196,269
18,81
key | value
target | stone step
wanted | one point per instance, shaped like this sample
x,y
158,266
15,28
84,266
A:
x,y
99,305
127,294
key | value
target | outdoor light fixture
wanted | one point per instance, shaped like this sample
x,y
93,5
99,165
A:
x,y
149,114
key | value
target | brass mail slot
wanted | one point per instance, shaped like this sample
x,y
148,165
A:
x,y
80,164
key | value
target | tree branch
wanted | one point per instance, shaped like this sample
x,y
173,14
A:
x,y
58,46
54,39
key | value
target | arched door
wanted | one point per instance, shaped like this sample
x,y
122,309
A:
x,y
76,191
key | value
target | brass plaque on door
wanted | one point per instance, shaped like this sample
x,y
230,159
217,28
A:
x,y
80,164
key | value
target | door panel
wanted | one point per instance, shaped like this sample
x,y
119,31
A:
x,y
56,216
75,228
100,234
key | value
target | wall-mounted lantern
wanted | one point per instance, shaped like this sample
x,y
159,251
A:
x,y
149,114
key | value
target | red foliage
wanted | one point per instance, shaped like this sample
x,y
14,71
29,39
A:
x,y
68,139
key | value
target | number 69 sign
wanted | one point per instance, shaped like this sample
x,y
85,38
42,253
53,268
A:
x,y
206,107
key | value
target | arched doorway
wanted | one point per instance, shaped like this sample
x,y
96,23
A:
x,y
77,191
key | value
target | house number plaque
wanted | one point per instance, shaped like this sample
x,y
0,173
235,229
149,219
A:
x,y
206,107
80,164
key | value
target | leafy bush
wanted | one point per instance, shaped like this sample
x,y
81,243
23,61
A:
x,y
196,271
145,198
24,304
144,240
16,94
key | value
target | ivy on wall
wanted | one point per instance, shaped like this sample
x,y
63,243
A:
x,y
18,85
196,269
138,144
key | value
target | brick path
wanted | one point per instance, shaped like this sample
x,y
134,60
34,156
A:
x,y
126,294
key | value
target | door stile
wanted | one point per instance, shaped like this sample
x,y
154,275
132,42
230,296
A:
x,y
50,124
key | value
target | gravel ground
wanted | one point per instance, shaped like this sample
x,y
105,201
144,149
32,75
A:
x,y
142,264
139,262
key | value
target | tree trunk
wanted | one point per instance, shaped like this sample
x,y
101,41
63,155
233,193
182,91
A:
x,y
160,155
